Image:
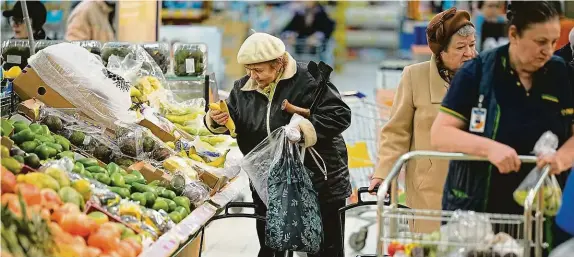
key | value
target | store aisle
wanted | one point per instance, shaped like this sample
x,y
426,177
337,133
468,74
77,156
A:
x,y
237,237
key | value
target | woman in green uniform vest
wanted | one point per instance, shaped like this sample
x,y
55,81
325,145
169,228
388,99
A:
x,y
498,106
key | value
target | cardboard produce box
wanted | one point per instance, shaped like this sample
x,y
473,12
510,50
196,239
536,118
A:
x,y
30,86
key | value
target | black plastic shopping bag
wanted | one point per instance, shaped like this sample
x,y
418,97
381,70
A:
x,y
293,216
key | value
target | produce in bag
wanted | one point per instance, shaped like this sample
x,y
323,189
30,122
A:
x,y
190,59
159,52
86,84
41,44
15,52
293,216
547,144
135,64
93,46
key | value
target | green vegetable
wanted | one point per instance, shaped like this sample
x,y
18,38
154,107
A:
x,y
96,169
88,162
143,188
168,194
78,168
68,154
187,54
183,201
118,180
32,160
65,143
150,198
139,197
113,168
160,204
103,178
131,179
123,192
23,136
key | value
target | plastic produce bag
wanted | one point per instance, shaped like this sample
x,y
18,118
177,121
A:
x,y
15,52
547,144
80,78
131,62
190,59
293,216
120,49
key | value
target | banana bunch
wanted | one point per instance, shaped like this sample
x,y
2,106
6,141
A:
x,y
218,162
201,131
213,140
178,109
222,106
182,119
143,87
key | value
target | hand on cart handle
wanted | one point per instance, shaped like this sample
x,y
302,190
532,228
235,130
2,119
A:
x,y
558,162
374,186
503,157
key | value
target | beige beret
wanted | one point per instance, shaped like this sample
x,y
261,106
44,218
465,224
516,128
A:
x,y
260,47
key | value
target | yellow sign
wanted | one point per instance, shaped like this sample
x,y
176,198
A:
x,y
137,20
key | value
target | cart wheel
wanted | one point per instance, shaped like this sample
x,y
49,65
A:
x,y
358,239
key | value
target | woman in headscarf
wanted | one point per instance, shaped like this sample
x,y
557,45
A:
x,y
255,107
451,37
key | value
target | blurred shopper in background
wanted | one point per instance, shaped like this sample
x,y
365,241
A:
x,y
451,37
566,51
36,11
311,24
92,20
488,12
566,24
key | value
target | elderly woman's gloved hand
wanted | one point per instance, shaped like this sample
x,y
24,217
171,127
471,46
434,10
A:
x,y
299,125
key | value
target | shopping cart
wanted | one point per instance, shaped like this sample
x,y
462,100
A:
x,y
362,140
393,221
304,52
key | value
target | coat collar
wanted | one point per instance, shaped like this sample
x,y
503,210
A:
x,y
288,73
438,86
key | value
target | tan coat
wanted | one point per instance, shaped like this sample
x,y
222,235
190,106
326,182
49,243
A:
x,y
415,107
89,21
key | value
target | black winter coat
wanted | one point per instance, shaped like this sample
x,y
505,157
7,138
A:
x,y
248,109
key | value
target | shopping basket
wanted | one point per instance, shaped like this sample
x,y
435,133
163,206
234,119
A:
x,y
393,221
303,52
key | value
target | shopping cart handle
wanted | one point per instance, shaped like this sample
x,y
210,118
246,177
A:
x,y
363,190
292,109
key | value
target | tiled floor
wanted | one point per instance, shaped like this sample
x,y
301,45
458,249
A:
x,y
237,237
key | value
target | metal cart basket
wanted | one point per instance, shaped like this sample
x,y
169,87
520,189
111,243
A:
x,y
393,222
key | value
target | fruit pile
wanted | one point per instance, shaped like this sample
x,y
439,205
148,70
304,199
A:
x,y
38,220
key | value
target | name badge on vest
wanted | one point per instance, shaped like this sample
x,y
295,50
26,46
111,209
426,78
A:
x,y
478,117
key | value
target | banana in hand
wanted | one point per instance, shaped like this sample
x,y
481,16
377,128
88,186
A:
x,y
222,106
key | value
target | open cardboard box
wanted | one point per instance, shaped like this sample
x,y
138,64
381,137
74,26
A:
x,y
151,173
29,86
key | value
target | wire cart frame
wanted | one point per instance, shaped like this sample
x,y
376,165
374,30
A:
x,y
390,227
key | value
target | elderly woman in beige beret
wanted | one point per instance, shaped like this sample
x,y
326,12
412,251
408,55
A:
x,y
451,38
255,107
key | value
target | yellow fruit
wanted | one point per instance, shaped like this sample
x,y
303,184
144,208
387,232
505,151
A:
x,y
220,161
196,157
41,180
13,72
99,217
83,187
134,92
222,106
170,144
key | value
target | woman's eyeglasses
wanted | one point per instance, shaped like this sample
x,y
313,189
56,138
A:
x,y
16,21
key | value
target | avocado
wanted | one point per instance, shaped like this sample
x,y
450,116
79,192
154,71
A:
x,y
103,178
118,180
65,143
123,192
96,169
128,147
44,139
19,126
44,152
19,158
32,160
124,162
148,144
103,153
139,197
69,154
77,138
29,146
12,165
143,188
36,128
78,168
150,198
160,204
161,154
88,162
58,147
131,179
54,123
23,136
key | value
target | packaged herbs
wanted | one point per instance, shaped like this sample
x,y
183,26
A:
x,y
15,52
160,54
190,59
120,49
93,46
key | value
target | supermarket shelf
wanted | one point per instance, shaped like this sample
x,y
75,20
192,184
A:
x,y
182,14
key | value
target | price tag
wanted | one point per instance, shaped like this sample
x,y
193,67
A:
x,y
190,65
16,59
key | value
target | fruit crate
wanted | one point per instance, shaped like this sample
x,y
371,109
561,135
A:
x,y
9,104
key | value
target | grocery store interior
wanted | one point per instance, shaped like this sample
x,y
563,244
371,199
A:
x,y
149,161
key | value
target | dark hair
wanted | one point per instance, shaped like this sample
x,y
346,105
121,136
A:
x,y
523,13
